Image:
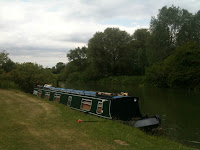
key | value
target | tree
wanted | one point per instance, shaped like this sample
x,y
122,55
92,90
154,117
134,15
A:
x,y
182,69
164,32
77,54
138,52
97,55
108,52
3,57
78,57
6,64
197,27
27,75
190,30
58,68
77,65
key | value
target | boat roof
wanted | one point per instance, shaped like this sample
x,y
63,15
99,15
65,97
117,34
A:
x,y
80,92
89,93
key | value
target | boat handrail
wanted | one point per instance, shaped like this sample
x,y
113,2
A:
x,y
88,93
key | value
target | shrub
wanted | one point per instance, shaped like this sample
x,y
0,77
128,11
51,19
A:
x,y
8,85
180,70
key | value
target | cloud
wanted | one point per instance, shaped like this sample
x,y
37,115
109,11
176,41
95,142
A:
x,y
44,31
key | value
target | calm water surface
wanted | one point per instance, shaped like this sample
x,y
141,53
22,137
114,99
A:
x,y
179,109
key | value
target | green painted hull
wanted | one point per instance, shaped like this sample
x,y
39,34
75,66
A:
x,y
92,105
120,107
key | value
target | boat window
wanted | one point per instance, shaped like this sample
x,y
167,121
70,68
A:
x,y
100,107
35,92
86,104
57,98
39,93
47,95
69,101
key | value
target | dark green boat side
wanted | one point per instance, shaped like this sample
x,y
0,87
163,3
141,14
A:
x,y
111,107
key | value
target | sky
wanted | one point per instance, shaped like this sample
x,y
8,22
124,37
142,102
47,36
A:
x,y
43,31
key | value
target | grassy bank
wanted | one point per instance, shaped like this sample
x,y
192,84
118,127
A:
x,y
28,122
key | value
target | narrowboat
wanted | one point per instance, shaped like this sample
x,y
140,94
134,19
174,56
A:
x,y
102,104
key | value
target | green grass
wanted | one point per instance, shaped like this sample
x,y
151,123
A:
x,y
28,122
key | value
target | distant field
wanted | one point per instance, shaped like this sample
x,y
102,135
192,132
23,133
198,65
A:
x,y
27,122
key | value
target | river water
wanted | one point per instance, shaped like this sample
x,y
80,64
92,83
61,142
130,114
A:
x,y
179,110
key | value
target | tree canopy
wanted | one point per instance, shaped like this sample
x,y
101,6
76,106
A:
x,y
6,64
146,52
167,54
58,68
25,76
172,27
182,69
3,57
108,51
28,75
77,54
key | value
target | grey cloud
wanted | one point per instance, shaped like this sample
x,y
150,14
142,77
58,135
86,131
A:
x,y
33,51
51,28
135,9
75,38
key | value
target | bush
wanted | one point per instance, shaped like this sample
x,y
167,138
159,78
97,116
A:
x,y
27,75
156,75
180,70
8,85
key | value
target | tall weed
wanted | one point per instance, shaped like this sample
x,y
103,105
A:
x,y
8,85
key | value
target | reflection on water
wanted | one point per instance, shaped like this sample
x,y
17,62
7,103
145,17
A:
x,y
179,110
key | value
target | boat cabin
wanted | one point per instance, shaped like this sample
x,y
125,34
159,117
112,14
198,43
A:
x,y
110,105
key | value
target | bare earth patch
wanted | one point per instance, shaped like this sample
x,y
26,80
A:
x,y
121,142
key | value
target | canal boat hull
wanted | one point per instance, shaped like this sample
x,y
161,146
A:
x,y
118,107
